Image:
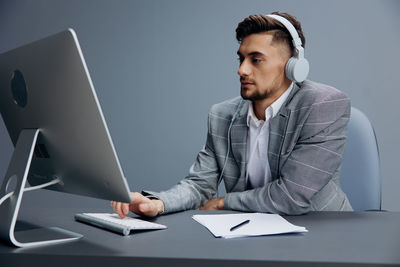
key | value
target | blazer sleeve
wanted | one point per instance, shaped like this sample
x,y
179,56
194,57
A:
x,y
198,186
313,161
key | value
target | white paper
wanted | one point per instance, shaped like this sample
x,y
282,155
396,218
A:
x,y
260,224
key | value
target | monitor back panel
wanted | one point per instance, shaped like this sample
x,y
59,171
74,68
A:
x,y
74,142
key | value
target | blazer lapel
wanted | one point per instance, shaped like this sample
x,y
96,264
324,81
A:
x,y
238,145
277,134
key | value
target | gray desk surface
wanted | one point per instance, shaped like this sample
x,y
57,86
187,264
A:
x,y
348,238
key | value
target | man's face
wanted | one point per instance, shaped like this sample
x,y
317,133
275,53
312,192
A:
x,y
262,67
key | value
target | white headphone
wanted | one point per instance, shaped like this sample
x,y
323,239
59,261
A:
x,y
297,67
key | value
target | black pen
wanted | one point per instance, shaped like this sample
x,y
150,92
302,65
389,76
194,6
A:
x,y
239,225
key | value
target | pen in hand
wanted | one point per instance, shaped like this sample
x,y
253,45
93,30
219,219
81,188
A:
x,y
239,225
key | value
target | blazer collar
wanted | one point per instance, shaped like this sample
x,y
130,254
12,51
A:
x,y
296,88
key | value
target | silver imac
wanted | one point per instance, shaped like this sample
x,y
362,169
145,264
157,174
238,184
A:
x,y
54,119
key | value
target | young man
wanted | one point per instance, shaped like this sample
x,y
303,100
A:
x,y
278,148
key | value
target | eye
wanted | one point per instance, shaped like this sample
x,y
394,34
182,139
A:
x,y
240,59
256,60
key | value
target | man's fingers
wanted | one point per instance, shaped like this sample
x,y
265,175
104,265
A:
x,y
113,205
214,204
122,209
125,208
140,205
118,210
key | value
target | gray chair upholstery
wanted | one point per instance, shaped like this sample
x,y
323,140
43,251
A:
x,y
360,175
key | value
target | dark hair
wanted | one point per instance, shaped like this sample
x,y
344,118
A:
x,y
261,23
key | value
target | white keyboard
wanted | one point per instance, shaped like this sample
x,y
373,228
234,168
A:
x,y
113,222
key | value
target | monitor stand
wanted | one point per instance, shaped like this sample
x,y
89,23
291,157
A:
x,y
10,203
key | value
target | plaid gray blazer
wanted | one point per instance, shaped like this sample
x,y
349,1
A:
x,y
306,145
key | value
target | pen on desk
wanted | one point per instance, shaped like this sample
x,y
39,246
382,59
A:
x,y
239,225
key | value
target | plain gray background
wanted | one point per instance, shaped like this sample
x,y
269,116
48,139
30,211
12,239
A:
x,y
158,66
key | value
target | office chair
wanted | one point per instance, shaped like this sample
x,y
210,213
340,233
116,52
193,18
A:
x,y
360,175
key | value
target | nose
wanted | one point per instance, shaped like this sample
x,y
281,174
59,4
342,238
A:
x,y
244,69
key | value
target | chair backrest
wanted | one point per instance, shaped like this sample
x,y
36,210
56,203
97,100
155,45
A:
x,y
360,174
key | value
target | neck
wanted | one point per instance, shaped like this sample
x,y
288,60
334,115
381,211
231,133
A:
x,y
259,106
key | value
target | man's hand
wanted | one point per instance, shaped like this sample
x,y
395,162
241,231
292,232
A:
x,y
214,204
140,205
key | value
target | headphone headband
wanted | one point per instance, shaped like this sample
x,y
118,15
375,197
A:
x,y
292,30
297,67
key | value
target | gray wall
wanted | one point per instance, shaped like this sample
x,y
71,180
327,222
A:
x,y
158,66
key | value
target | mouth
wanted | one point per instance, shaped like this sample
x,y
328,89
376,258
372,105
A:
x,y
246,84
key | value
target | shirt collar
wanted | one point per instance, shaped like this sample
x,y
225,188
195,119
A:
x,y
274,107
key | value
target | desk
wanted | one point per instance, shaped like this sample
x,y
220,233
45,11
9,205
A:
x,y
347,238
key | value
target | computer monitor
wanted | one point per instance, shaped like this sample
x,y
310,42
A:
x,y
54,119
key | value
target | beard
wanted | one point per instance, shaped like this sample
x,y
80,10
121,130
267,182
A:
x,y
253,96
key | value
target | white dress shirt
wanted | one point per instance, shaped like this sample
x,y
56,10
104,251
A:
x,y
258,172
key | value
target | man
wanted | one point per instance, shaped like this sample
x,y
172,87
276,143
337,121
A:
x,y
277,149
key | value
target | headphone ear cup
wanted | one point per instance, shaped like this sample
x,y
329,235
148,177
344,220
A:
x,y
289,68
297,69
